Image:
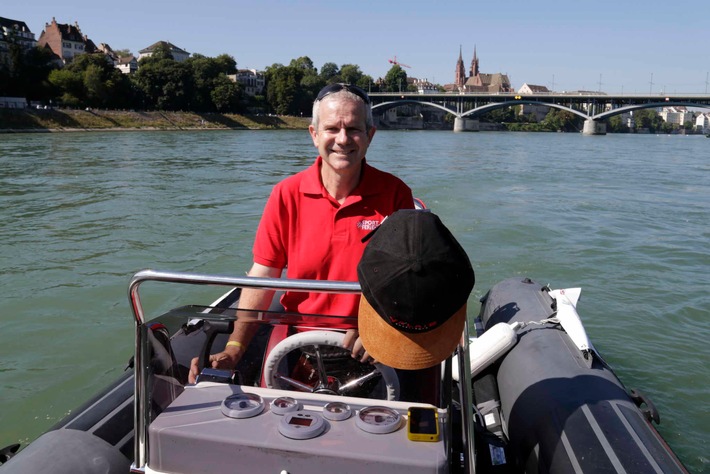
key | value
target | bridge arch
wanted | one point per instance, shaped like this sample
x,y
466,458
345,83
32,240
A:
x,y
478,111
500,105
650,105
396,103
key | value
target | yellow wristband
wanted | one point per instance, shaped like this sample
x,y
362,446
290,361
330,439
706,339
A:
x,y
235,343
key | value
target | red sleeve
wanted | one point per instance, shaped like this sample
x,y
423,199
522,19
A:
x,y
272,235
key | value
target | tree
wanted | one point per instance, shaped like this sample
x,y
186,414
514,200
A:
x,y
305,64
615,124
648,119
350,73
70,86
165,84
225,94
25,72
281,85
290,90
90,80
502,115
396,79
123,53
330,71
209,74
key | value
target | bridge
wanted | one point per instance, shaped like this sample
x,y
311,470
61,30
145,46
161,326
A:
x,y
593,107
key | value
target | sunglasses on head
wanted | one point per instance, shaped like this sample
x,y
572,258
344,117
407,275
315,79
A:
x,y
333,88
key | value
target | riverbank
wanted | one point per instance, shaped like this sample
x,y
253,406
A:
x,y
68,120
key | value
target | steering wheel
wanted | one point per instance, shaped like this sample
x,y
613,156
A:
x,y
317,344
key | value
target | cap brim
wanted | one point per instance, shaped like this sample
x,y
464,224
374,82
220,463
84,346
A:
x,y
409,351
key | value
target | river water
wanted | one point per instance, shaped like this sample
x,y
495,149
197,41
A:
x,y
623,216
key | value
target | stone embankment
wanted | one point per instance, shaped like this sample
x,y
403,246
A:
x,y
67,120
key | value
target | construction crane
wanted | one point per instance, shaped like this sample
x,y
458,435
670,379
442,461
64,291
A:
x,y
397,63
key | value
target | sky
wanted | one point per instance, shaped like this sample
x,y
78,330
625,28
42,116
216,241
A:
x,y
621,46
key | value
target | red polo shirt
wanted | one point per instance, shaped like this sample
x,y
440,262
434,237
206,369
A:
x,y
307,231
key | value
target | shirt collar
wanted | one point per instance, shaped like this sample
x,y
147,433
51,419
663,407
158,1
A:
x,y
311,183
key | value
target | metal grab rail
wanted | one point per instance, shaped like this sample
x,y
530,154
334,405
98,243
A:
x,y
141,402
320,286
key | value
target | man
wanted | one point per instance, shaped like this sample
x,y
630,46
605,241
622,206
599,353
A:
x,y
314,222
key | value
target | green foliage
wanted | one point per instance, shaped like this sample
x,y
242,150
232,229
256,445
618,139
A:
x,y
555,121
123,53
290,90
329,71
212,88
350,74
502,115
200,83
165,84
616,124
91,81
347,73
225,94
396,79
561,120
24,73
648,119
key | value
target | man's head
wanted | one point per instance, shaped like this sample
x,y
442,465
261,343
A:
x,y
341,127
415,279
343,91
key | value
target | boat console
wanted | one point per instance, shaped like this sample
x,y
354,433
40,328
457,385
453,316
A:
x,y
311,411
215,427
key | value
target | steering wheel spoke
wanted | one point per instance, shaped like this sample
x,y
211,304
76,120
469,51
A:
x,y
322,375
331,368
358,382
294,383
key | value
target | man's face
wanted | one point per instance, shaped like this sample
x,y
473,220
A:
x,y
341,138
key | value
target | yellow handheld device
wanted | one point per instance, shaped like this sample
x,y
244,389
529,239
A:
x,y
423,424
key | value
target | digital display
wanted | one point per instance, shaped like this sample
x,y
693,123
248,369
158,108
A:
x,y
422,421
298,421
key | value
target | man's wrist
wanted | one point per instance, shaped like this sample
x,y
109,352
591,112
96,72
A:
x,y
234,347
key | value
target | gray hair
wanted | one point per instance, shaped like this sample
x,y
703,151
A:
x,y
343,95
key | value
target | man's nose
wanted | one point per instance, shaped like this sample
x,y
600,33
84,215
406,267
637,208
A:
x,y
342,136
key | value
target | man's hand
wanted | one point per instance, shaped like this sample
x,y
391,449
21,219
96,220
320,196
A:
x,y
221,360
354,344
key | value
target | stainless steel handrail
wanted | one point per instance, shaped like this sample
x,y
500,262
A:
x,y
141,402
465,391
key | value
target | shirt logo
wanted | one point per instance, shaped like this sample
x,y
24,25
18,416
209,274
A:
x,y
368,224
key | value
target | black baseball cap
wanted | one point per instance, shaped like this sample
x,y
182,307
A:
x,y
415,279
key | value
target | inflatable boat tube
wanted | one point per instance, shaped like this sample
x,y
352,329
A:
x,y
560,408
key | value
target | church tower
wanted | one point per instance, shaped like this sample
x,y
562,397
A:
x,y
474,64
460,79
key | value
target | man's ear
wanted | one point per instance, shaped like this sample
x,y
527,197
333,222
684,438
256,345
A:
x,y
314,135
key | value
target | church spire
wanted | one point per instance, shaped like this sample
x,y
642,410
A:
x,y
460,77
474,63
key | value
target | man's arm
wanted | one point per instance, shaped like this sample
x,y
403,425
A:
x,y
250,299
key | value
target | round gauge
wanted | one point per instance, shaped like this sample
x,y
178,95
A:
x,y
242,405
283,405
301,425
337,411
378,419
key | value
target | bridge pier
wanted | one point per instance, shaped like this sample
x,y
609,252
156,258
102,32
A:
x,y
462,124
592,127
